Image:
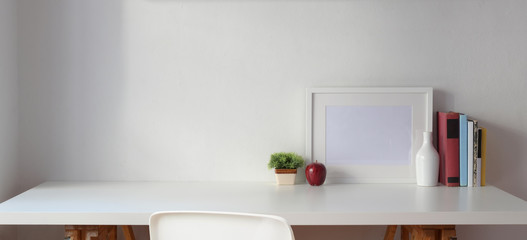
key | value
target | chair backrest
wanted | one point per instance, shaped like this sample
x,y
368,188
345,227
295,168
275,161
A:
x,y
218,226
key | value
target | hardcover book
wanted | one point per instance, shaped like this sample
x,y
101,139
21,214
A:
x,y
483,137
448,148
463,156
475,154
477,175
470,152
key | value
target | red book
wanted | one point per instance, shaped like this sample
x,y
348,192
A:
x,y
448,148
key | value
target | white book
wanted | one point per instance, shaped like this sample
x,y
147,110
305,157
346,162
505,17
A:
x,y
470,153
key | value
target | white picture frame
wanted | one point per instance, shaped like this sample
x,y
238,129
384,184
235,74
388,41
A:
x,y
367,135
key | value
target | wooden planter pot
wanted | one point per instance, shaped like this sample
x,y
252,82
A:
x,y
285,176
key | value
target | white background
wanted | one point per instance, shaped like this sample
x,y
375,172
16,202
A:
x,y
181,89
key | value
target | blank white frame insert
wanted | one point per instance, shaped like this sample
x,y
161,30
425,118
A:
x,y
352,135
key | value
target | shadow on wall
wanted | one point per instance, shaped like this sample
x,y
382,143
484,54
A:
x,y
443,101
505,147
71,88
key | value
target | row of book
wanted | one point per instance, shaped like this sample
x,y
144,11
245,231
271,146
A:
x,y
461,144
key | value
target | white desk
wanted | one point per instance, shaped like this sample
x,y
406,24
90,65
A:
x,y
131,203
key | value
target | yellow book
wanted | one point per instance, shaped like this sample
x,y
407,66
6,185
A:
x,y
483,155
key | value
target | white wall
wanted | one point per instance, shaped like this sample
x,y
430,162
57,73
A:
x,y
173,90
8,107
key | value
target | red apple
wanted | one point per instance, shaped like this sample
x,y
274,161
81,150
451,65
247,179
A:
x,y
316,173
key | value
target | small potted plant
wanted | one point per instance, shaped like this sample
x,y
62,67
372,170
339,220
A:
x,y
285,165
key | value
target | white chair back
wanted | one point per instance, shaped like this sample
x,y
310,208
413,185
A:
x,y
218,226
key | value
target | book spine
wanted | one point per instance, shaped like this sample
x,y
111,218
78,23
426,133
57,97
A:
x,y
470,152
478,161
475,154
483,137
478,173
463,146
448,147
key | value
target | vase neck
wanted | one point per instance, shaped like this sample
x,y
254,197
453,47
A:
x,y
427,137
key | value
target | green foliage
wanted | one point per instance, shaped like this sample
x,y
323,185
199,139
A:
x,y
284,160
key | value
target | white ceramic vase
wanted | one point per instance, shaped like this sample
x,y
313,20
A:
x,y
427,163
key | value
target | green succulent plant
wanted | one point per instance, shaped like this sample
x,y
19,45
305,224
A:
x,y
283,160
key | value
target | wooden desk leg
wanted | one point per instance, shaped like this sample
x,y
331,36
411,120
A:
x,y
72,234
90,232
405,233
128,232
390,232
107,233
448,234
416,232
429,234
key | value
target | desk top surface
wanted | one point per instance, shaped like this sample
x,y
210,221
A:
x,y
131,203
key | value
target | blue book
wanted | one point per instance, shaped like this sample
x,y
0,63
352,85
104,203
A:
x,y
463,159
